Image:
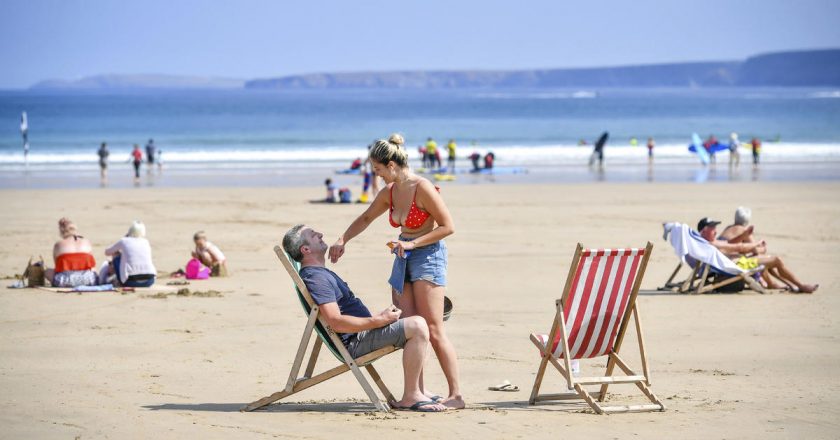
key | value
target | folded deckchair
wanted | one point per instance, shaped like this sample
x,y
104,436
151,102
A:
x,y
591,321
327,337
710,269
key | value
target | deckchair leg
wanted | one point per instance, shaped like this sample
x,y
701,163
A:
x,y
297,387
538,380
313,358
703,278
669,283
368,389
592,403
686,285
379,383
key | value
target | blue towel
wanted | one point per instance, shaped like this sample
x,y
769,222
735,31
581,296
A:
x,y
100,288
397,279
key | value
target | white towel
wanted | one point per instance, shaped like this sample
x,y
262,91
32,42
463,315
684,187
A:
x,y
690,247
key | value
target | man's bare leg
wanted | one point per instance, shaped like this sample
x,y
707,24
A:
x,y
414,356
775,264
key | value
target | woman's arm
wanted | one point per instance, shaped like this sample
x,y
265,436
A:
x,y
380,204
114,249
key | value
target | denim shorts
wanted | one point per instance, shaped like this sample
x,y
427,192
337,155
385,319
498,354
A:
x,y
367,341
426,263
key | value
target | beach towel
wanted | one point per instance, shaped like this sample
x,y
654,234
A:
x,y
690,247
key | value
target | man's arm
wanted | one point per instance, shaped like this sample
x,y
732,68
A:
x,y
353,324
735,248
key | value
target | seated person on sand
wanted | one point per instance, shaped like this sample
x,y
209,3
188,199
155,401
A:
x,y
360,331
738,251
210,255
741,231
132,258
74,262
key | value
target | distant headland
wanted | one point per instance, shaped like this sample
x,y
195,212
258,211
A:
x,y
807,68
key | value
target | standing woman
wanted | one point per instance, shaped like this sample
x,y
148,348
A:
x,y
418,278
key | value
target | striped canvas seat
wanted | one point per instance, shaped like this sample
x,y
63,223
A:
x,y
591,319
597,301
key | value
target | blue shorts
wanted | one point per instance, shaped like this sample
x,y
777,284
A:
x,y
424,263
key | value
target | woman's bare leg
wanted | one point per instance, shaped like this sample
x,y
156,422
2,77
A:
x,y
429,301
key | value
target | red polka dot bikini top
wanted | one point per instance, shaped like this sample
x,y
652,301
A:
x,y
416,216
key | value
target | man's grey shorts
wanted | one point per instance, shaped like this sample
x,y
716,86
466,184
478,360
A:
x,y
371,340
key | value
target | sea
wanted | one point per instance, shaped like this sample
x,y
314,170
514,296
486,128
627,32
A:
x,y
300,136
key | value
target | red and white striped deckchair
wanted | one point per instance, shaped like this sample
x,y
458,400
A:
x,y
591,321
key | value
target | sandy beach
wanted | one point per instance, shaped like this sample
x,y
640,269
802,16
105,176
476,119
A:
x,y
110,365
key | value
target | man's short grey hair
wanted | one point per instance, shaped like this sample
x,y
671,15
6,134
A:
x,y
742,216
292,242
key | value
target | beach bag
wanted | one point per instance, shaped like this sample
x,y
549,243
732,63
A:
x,y
33,275
196,271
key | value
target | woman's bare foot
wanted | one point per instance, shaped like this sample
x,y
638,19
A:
x,y
454,402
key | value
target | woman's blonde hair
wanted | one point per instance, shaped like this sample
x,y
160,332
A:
x,y
66,227
384,151
137,229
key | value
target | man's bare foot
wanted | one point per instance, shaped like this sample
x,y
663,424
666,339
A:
x,y
454,402
808,288
420,405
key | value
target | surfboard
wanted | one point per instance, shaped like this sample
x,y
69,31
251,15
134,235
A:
x,y
444,177
349,171
697,147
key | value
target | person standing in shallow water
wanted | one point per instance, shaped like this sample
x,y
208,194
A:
x,y
418,275
103,161
650,146
137,160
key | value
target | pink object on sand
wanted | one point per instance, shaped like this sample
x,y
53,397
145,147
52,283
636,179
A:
x,y
195,271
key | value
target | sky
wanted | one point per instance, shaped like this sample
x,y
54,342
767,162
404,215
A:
x,y
70,39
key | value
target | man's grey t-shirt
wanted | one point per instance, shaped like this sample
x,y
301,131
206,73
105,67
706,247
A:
x,y
326,287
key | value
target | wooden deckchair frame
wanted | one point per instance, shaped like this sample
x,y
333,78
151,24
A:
x,y
697,281
327,336
642,381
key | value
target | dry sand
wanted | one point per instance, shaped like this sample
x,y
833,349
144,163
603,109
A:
x,y
106,365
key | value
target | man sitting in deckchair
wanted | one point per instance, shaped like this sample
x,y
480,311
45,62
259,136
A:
x,y
360,331
774,264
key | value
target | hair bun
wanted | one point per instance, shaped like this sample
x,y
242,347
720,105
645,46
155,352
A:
x,y
396,139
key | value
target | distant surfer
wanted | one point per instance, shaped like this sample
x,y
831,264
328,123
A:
x,y
710,146
137,159
432,153
756,150
24,131
598,151
474,157
650,145
150,153
103,154
734,155
450,165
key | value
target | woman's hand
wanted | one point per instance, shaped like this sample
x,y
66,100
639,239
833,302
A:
x,y
336,251
399,247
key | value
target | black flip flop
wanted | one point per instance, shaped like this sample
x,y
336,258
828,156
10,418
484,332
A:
x,y
418,407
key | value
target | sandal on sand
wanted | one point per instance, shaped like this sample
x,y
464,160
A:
x,y
418,407
504,386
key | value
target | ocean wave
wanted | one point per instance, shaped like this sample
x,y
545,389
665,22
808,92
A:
x,y
341,156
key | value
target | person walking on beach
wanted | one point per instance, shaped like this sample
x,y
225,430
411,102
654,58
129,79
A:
x,y
24,132
137,158
598,151
756,150
150,154
103,154
734,155
431,153
650,145
418,275
450,165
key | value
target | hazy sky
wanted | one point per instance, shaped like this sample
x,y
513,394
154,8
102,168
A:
x,y
68,39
